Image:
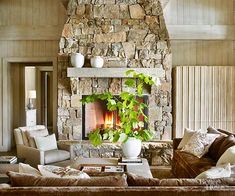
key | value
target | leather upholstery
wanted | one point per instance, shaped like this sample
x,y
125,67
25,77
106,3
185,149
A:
x,y
185,165
189,165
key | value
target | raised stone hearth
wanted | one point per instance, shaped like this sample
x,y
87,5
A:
x,y
127,34
157,153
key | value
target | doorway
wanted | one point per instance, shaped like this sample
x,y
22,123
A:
x,y
24,78
12,96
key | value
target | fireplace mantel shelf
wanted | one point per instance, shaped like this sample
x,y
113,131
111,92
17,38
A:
x,y
111,72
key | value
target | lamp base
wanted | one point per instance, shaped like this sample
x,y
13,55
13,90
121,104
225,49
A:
x,y
30,106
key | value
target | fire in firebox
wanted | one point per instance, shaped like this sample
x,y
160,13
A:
x,y
96,115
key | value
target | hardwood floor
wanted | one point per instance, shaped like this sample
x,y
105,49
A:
x,y
9,153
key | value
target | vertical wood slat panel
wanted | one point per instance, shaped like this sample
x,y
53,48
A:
x,y
233,98
1,105
204,96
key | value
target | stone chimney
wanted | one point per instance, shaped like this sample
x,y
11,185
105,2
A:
x,y
127,34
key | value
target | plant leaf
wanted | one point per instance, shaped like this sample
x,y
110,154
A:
x,y
129,72
95,138
116,137
130,82
105,136
123,137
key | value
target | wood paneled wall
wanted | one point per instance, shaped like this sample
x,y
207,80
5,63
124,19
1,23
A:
x,y
203,52
202,31
29,32
203,96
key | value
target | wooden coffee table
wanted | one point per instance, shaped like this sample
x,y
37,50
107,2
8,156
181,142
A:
x,y
140,170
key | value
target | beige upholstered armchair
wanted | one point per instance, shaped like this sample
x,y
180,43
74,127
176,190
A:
x,y
27,148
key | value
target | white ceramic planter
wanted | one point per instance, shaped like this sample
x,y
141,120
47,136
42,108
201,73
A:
x,y
97,62
131,148
77,60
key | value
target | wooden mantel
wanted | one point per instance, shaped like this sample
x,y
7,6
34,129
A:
x,y
111,72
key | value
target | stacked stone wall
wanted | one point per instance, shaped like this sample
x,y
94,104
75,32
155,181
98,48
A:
x,y
127,34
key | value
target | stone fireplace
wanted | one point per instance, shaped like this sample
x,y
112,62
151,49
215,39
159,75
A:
x,y
127,34
95,115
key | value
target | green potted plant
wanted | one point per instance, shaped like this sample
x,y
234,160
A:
x,y
131,113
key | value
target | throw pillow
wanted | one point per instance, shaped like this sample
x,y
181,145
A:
x,y
27,180
134,180
31,134
27,169
227,157
213,130
61,172
199,143
46,143
188,133
215,147
25,129
216,172
227,143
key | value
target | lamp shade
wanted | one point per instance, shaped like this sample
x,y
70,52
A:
x,y
32,94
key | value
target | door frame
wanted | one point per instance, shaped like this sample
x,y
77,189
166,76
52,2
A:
x,y
7,130
39,70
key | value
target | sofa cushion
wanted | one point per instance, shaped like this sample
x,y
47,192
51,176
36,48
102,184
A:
x,y
26,180
227,143
197,182
52,156
192,164
134,180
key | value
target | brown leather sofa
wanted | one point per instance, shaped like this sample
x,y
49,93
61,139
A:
x,y
185,165
127,186
129,191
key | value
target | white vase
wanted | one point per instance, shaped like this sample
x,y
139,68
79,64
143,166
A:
x,y
77,60
131,148
97,62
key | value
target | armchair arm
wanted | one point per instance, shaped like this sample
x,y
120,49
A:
x,y
31,155
67,147
176,142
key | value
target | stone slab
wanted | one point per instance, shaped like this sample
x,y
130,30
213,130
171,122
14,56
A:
x,y
111,72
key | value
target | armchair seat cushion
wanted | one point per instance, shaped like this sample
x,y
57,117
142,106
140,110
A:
x,y
52,156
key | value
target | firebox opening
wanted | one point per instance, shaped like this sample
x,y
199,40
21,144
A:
x,y
95,115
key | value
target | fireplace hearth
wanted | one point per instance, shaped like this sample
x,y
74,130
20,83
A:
x,y
95,115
